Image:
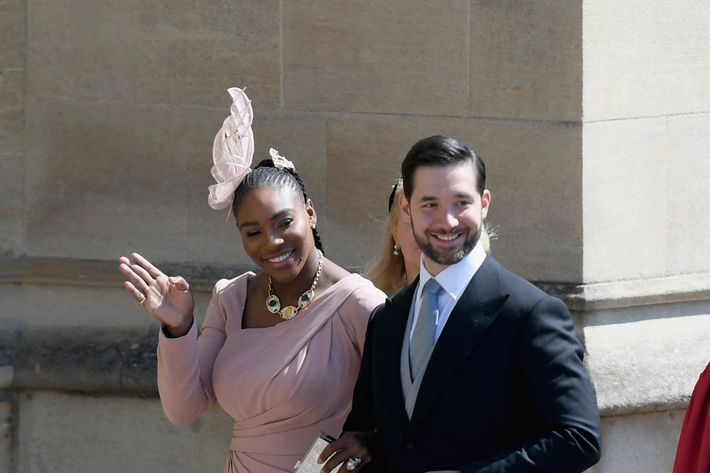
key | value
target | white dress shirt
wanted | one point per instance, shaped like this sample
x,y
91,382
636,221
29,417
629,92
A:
x,y
454,280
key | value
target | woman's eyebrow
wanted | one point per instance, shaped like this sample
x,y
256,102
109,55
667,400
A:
x,y
275,216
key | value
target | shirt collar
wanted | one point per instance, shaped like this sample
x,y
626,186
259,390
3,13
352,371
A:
x,y
455,277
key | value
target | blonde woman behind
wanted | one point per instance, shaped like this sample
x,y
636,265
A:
x,y
397,263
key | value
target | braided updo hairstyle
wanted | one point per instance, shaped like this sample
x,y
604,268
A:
x,y
266,174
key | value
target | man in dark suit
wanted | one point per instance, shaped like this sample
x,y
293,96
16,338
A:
x,y
471,368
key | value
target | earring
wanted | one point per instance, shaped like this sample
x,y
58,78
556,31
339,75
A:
x,y
313,227
395,251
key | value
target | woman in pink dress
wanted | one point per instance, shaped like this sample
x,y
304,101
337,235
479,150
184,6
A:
x,y
279,349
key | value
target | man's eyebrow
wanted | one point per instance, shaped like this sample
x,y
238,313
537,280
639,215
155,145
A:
x,y
275,216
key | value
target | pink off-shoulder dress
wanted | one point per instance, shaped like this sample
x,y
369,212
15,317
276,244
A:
x,y
282,384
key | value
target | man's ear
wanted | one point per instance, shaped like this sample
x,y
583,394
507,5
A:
x,y
405,209
485,202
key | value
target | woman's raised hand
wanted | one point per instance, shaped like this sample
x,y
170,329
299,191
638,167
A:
x,y
168,299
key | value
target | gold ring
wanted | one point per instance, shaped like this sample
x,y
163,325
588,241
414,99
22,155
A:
x,y
142,301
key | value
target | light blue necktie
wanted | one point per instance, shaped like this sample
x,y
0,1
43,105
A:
x,y
423,336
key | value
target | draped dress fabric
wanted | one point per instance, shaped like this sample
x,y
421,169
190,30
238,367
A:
x,y
693,453
282,384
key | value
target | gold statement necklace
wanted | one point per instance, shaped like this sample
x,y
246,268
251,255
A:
x,y
287,313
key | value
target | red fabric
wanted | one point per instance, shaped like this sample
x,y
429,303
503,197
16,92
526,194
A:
x,y
693,454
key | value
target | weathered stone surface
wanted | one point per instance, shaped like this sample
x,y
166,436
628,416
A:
x,y
7,432
646,198
7,371
108,179
72,306
647,356
300,136
688,194
381,56
12,34
12,177
113,434
94,273
56,306
646,58
72,337
626,199
534,167
12,123
12,138
634,292
181,53
526,59
640,443
526,179
82,359
148,179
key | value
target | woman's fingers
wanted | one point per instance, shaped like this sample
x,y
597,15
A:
x,y
134,278
143,274
348,445
135,293
138,268
179,283
341,458
168,299
330,449
154,272
357,453
333,462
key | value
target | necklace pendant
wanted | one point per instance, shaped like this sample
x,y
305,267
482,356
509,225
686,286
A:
x,y
273,304
288,312
305,299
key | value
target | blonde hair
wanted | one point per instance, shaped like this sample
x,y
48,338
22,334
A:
x,y
387,270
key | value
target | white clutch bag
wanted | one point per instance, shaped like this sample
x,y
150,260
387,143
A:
x,y
309,463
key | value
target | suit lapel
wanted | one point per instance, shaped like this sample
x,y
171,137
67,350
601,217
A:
x,y
475,311
393,323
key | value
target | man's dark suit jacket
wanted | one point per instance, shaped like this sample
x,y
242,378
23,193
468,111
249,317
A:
x,y
505,389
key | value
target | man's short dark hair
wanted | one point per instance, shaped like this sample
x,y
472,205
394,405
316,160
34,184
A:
x,y
440,150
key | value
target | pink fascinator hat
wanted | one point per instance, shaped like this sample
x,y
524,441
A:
x,y
232,151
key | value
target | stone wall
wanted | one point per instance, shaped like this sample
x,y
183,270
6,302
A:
x,y
593,118
119,104
646,135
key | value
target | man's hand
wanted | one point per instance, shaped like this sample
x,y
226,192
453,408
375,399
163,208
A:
x,y
349,445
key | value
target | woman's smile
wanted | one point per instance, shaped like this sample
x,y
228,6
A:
x,y
281,260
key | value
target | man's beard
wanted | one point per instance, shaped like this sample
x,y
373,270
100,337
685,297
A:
x,y
428,249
